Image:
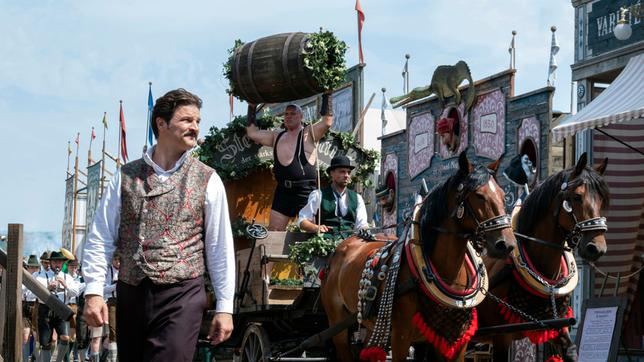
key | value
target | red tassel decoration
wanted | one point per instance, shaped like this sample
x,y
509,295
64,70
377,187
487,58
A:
x,y
555,358
373,354
440,343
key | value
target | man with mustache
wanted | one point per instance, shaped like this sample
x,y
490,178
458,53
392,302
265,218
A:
x,y
294,158
163,213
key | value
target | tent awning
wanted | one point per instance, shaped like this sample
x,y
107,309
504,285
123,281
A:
x,y
622,101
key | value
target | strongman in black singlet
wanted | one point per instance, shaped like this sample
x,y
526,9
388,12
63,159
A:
x,y
295,181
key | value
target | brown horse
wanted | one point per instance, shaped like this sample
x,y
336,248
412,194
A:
x,y
467,206
561,214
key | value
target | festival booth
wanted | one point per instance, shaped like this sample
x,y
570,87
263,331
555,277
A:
x,y
496,125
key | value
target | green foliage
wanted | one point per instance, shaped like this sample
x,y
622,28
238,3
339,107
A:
x,y
228,66
229,171
318,245
238,227
324,56
287,282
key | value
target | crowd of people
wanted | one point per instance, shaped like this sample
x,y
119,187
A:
x,y
45,334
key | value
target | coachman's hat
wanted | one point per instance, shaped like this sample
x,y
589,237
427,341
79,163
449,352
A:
x,y
45,255
340,161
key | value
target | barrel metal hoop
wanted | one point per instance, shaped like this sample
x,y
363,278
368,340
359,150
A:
x,y
289,81
237,71
307,81
249,68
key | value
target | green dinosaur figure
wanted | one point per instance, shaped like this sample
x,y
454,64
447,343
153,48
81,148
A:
x,y
445,82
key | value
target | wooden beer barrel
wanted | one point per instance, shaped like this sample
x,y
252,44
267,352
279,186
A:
x,y
271,70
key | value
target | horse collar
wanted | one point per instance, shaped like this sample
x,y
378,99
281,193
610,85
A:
x,y
430,283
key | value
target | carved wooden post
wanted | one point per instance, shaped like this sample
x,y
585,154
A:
x,y
13,301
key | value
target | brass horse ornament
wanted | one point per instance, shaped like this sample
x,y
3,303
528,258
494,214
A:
x,y
424,286
444,84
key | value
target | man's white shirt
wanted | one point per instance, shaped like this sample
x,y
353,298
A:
x,y
311,208
218,238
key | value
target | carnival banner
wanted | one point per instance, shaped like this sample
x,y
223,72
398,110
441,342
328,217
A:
x,y
68,214
93,192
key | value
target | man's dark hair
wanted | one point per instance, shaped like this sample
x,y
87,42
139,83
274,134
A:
x,y
165,106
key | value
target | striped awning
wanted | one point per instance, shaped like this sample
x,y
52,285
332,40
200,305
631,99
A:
x,y
622,101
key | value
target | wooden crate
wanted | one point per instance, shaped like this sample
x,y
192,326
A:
x,y
261,268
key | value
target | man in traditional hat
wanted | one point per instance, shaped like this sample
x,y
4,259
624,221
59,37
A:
x,y
44,261
28,302
167,215
63,286
294,158
340,209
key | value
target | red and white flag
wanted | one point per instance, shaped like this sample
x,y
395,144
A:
x,y
360,22
123,141
77,140
93,134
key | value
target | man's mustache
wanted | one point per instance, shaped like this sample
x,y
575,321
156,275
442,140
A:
x,y
191,134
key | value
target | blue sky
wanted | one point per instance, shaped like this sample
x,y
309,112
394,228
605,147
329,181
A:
x,y
63,63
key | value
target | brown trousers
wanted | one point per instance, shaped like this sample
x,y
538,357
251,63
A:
x,y
159,322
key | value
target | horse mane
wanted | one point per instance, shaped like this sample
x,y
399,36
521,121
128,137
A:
x,y
434,210
536,206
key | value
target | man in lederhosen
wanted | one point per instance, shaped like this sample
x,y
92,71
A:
x,y
63,286
28,302
294,158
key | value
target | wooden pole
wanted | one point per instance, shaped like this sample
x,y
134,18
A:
x,y
56,305
3,308
75,196
100,191
13,300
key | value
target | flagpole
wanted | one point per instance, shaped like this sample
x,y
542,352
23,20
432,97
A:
x,y
147,131
89,151
69,153
407,56
383,117
103,154
512,51
75,193
120,147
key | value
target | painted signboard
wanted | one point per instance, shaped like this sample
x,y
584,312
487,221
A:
x,y
421,143
68,213
489,125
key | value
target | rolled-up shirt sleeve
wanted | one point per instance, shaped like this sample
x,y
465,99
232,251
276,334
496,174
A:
x,y
361,215
220,254
101,240
309,210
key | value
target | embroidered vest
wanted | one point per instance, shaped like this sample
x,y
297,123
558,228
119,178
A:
x,y
161,229
328,210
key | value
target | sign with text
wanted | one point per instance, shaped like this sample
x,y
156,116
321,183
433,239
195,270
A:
x,y
343,110
600,329
488,123
237,149
603,15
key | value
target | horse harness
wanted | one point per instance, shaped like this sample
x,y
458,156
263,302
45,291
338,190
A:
x,y
383,264
478,237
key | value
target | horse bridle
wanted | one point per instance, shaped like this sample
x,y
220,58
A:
x,y
574,236
478,237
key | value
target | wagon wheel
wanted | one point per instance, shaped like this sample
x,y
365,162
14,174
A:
x,y
255,346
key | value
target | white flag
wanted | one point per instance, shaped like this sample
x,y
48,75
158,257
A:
x,y
383,118
552,66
